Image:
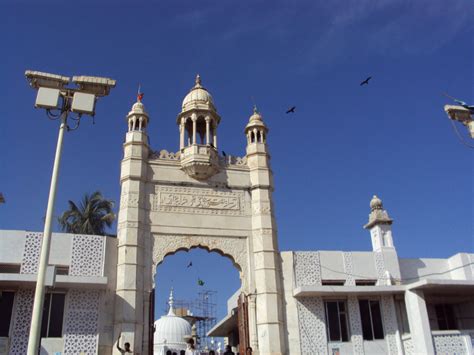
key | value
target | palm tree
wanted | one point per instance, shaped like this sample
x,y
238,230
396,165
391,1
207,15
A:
x,y
91,217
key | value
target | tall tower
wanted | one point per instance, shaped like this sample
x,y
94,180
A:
x,y
132,241
267,271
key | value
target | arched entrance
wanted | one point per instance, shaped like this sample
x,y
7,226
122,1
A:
x,y
210,307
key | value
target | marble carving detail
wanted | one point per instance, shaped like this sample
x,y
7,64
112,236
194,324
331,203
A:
x,y
235,248
313,338
379,267
348,269
390,324
87,254
199,201
445,344
307,268
31,253
82,322
21,322
356,325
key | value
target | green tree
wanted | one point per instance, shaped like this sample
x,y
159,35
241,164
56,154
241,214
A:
x,y
92,216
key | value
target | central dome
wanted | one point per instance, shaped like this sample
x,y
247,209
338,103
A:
x,y
171,330
198,97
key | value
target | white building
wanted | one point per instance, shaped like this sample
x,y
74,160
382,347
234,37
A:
x,y
318,302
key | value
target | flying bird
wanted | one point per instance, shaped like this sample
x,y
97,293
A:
x,y
190,264
291,110
200,282
366,81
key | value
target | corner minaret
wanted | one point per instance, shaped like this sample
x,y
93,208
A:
x,y
268,288
198,122
132,230
379,225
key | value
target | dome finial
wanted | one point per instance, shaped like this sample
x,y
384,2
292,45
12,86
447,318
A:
x,y
255,109
376,203
198,81
170,303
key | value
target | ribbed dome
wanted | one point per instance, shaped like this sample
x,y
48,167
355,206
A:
x,y
198,97
171,330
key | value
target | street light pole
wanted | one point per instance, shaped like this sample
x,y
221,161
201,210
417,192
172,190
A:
x,y
36,319
80,100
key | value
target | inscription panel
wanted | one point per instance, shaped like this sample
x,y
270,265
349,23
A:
x,y
198,200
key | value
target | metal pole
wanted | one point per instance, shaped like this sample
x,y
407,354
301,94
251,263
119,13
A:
x,y
36,319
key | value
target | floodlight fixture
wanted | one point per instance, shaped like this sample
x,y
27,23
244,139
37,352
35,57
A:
x,y
461,114
47,98
94,84
39,79
83,103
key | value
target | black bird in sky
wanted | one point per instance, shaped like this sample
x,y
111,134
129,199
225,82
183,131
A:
x,y
366,81
190,264
224,154
291,110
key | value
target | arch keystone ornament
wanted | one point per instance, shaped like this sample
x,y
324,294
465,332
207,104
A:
x,y
196,198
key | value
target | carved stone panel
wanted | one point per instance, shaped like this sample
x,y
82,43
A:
x,y
199,201
232,247
31,253
390,324
21,322
356,325
307,268
311,320
87,255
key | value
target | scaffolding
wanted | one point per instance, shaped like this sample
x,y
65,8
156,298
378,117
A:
x,y
202,312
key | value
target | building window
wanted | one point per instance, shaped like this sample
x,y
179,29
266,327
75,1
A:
x,y
445,317
332,282
365,282
371,318
336,320
6,308
10,268
53,312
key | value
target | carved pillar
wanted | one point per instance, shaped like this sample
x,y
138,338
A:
x,y
181,134
253,322
194,119
208,133
214,135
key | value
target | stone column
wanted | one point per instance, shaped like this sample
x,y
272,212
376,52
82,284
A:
x,y
253,322
208,133
419,322
194,119
214,136
181,134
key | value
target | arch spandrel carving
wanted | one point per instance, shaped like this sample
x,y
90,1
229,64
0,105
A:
x,y
232,247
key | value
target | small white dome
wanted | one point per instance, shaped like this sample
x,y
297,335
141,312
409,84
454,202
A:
x,y
198,97
171,330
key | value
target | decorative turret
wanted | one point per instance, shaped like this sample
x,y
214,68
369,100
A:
x,y
379,225
256,130
137,118
198,123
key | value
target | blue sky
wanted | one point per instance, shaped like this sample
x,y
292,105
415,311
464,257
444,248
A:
x,y
343,144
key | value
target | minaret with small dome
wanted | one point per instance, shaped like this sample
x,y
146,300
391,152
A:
x,y
379,225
